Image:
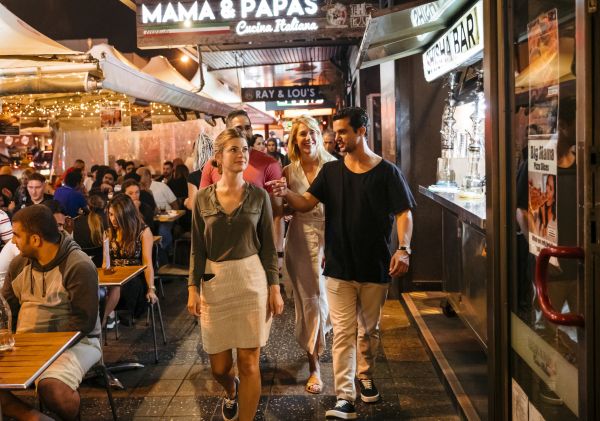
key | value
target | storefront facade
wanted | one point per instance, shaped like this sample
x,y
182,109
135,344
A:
x,y
539,144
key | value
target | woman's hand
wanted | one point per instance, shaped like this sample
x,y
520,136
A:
x,y
151,296
275,300
193,304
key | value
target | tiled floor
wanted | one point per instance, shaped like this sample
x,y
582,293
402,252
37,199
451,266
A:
x,y
180,386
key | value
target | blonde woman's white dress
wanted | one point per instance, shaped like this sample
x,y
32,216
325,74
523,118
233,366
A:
x,y
304,251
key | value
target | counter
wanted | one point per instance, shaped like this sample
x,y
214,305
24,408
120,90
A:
x,y
463,245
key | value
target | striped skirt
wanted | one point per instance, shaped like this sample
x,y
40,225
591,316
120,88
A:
x,y
234,305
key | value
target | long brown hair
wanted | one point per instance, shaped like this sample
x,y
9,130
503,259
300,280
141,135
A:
x,y
129,222
97,204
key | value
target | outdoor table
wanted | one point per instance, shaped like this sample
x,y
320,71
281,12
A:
x,y
118,275
33,353
170,216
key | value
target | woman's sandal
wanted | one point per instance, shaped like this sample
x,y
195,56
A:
x,y
314,385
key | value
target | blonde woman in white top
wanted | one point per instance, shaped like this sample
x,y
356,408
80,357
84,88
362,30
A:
x,y
304,246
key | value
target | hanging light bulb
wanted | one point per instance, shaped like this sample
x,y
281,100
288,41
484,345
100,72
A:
x,y
8,140
25,140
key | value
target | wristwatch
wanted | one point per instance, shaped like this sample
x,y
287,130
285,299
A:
x,y
406,249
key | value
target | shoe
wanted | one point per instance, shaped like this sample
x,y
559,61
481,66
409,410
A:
x,y
343,409
368,391
229,408
111,321
314,384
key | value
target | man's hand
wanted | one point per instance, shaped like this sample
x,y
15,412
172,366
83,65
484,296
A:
x,y
193,304
399,263
278,187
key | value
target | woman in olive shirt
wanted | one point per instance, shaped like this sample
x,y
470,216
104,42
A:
x,y
234,282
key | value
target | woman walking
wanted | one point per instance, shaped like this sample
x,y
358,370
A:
x,y
234,284
304,247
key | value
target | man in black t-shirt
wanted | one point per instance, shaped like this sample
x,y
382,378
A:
x,y
363,194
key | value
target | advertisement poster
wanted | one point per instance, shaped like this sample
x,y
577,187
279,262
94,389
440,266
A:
x,y
542,132
10,121
111,117
141,118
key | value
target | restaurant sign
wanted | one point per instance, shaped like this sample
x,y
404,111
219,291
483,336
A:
x,y
458,46
283,93
163,24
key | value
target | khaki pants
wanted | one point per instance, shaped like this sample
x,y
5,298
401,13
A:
x,y
354,305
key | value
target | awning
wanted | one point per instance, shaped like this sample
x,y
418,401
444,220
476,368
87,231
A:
x,y
402,31
160,68
121,76
20,39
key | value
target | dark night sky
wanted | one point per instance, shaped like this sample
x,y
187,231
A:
x,y
82,19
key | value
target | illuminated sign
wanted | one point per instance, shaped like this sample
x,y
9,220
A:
x,y
308,104
177,23
283,93
458,46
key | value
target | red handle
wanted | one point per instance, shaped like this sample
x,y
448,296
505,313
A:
x,y
541,285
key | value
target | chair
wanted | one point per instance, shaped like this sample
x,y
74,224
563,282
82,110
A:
x,y
180,266
95,254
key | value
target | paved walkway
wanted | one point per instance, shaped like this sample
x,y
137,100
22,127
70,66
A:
x,y
181,387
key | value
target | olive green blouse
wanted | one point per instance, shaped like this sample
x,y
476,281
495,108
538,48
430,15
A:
x,y
218,236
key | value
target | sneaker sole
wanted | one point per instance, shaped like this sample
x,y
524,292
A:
x,y
333,413
370,399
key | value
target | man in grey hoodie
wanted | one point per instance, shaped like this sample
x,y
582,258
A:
x,y
52,287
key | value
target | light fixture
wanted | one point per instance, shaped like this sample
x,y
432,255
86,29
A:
x,y
184,58
25,140
8,140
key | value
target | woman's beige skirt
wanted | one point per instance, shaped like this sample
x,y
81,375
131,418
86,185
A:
x,y
234,305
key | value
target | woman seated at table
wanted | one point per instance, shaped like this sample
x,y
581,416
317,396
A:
x,y
130,245
89,229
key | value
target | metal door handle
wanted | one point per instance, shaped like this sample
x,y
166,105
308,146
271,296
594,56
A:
x,y
541,285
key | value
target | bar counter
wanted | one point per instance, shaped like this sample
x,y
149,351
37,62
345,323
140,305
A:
x,y
464,276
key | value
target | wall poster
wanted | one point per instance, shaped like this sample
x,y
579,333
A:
x,y
10,120
543,131
141,117
111,117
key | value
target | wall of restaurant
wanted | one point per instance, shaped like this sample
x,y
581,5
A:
x,y
411,119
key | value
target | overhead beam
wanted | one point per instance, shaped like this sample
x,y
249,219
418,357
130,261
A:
x,y
130,4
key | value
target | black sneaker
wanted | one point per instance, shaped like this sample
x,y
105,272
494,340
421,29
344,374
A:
x,y
229,408
343,409
368,391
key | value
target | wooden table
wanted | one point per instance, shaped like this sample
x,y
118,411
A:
x,y
169,217
33,353
119,275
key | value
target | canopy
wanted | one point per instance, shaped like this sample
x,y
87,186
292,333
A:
x,y
122,76
160,68
20,39
214,88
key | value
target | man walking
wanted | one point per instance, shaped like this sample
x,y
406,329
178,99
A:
x,y
363,194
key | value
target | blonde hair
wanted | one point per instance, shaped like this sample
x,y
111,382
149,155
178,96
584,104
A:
x,y
220,142
312,124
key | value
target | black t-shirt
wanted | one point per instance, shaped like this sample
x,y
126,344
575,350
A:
x,y
194,178
359,215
